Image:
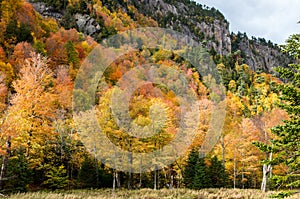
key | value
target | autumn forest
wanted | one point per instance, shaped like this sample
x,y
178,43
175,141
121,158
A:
x,y
166,113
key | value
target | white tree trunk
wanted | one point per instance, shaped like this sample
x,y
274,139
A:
x,y
114,180
266,170
5,162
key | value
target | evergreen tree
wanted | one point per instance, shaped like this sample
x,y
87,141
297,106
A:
x,y
88,176
72,53
217,173
190,169
57,178
202,178
19,175
286,146
91,175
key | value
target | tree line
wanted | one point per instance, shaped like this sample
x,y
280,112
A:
x,y
42,149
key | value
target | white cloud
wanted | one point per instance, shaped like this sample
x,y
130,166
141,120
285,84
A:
x,y
274,20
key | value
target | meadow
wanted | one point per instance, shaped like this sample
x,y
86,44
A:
x,y
151,194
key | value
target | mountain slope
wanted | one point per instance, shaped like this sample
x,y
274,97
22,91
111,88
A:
x,y
204,24
39,61
200,22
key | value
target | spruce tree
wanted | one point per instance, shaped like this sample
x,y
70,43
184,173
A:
x,y
202,178
217,173
286,145
87,175
190,168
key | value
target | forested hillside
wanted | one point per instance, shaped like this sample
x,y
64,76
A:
x,y
43,47
200,22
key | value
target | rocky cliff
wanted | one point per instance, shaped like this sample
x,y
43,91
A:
x,y
210,26
47,10
204,24
258,53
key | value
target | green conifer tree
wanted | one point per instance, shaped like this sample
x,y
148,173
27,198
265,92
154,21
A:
x,y
217,173
286,145
190,168
202,178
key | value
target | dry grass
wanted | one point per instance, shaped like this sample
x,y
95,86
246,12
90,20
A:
x,y
150,194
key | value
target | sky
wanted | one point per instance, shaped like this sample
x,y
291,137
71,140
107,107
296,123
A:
x,y
273,20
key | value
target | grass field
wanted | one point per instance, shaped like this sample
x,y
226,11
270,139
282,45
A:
x,y
150,194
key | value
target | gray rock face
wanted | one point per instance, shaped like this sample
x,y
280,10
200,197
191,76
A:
x,y
87,25
201,23
212,28
183,18
261,56
162,6
221,41
47,11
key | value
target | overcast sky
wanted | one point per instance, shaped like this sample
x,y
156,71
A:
x,y
273,20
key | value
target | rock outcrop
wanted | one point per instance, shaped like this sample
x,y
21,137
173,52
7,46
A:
x,y
47,11
209,26
87,25
191,19
259,54
84,22
203,24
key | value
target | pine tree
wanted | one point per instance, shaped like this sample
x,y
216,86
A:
x,y
217,173
286,146
87,175
72,53
202,178
190,168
